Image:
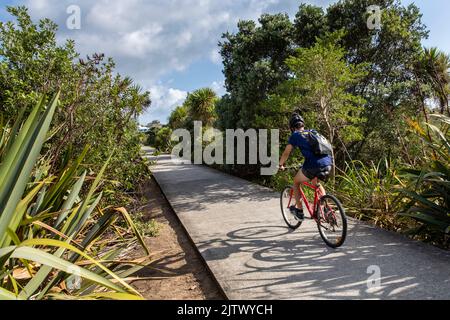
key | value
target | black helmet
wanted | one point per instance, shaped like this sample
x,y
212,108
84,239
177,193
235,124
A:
x,y
296,119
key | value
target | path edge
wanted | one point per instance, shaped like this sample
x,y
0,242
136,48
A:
x,y
205,263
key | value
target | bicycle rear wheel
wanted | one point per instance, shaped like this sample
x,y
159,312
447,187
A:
x,y
287,200
331,221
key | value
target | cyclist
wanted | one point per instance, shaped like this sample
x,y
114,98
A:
x,y
314,167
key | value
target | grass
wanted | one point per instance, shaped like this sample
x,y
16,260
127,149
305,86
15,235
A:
x,y
149,228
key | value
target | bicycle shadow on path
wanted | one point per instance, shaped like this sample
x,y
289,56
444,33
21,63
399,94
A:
x,y
297,265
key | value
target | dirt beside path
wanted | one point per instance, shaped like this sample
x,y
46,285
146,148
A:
x,y
177,273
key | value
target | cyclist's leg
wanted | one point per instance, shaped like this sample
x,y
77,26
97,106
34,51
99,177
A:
x,y
299,179
323,192
314,175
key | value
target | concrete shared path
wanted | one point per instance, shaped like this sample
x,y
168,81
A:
x,y
238,229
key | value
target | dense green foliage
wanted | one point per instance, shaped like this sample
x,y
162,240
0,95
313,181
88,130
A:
x,y
66,166
48,224
163,141
322,81
428,188
179,117
254,65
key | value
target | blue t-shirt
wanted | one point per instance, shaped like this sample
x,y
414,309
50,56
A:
x,y
311,160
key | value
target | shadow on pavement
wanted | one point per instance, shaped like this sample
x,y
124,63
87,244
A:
x,y
304,268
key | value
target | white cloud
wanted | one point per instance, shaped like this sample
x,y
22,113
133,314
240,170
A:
x,y
164,101
149,39
219,88
215,56
140,43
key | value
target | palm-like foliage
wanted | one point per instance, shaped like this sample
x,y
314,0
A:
x,y
48,230
178,118
429,188
433,67
201,105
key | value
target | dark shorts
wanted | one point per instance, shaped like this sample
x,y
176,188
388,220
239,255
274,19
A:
x,y
321,173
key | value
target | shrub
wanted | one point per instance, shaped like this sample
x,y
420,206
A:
x,y
51,225
163,141
429,187
372,191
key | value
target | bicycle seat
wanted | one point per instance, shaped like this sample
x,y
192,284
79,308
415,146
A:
x,y
324,175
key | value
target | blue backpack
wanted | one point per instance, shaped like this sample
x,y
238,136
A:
x,y
319,144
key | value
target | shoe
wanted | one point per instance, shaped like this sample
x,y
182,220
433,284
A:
x,y
299,215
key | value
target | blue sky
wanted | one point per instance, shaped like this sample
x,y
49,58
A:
x,y
170,47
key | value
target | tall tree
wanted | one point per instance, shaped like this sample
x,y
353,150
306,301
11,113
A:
x,y
310,23
322,80
254,64
391,52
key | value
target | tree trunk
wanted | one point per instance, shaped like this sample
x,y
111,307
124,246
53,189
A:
x,y
323,106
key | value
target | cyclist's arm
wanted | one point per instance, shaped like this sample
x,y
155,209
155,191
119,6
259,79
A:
x,y
286,154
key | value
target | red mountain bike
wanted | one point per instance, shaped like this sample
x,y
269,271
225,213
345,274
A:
x,y
327,211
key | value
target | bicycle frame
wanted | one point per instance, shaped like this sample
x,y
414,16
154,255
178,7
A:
x,y
314,185
327,211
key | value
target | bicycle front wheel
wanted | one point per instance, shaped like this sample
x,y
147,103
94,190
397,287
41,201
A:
x,y
332,221
287,200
